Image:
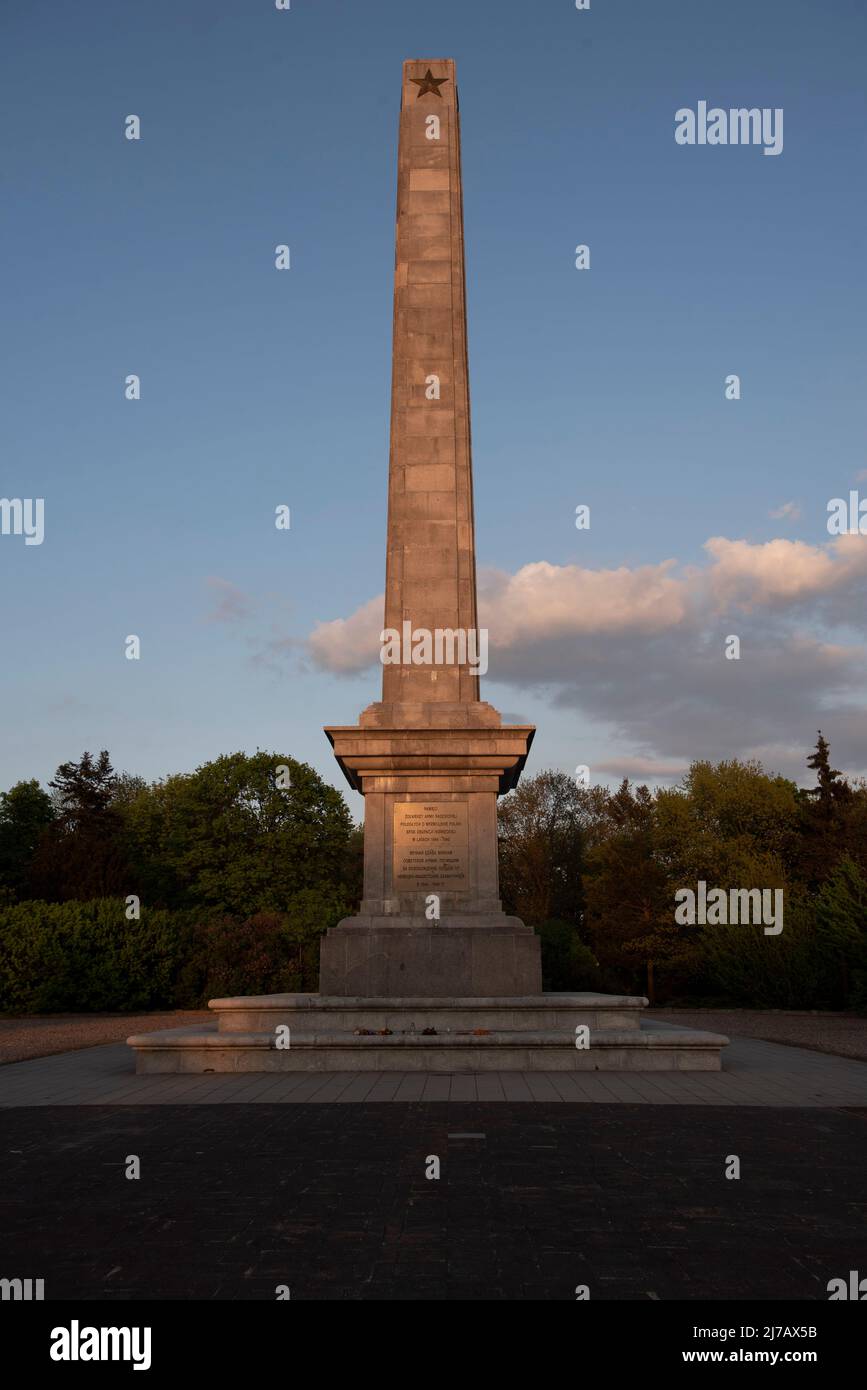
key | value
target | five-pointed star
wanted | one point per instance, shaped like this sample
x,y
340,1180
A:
x,y
429,83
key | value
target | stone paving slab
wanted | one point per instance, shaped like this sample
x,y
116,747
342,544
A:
x,y
755,1073
332,1200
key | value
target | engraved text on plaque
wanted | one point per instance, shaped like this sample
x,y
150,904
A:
x,y
431,847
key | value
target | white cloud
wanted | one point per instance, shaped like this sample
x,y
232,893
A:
x,y
782,571
348,645
543,601
642,651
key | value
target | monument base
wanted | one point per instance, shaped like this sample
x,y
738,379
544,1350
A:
x,y
471,956
318,1033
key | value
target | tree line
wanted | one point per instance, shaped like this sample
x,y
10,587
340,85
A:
x,y
240,834
119,894
238,867
596,871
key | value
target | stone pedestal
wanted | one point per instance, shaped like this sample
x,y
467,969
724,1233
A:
x,y
398,960
431,922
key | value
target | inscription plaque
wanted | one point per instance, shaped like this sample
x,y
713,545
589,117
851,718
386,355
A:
x,y
431,847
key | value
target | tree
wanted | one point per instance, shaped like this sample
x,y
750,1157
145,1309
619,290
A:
x,y
630,904
127,787
242,834
351,873
84,790
830,788
833,820
264,953
81,854
841,927
721,818
540,847
25,813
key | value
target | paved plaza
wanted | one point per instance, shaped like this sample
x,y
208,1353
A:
x,y
754,1073
333,1201
318,1182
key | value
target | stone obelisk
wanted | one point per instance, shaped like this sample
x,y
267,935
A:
x,y
431,975
431,758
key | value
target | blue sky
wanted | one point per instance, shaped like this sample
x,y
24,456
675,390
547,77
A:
x,y
603,387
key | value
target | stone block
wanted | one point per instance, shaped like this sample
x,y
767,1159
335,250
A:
x,y
436,961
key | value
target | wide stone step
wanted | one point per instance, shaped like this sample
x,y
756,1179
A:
x,y
314,1013
194,1050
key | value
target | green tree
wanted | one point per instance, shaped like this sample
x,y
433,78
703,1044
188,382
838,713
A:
x,y
540,849
127,787
630,905
84,790
831,785
230,837
26,811
351,873
721,819
841,931
833,821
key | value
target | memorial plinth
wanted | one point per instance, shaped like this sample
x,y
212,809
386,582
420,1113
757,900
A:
x,y
431,921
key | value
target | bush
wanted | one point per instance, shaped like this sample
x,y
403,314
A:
x,y
86,956
741,965
818,961
267,953
567,964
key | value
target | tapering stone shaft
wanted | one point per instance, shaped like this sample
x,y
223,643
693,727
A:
x,y
430,758
430,567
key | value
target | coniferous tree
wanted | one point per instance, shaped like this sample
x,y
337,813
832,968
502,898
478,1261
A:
x,y
830,788
84,790
81,854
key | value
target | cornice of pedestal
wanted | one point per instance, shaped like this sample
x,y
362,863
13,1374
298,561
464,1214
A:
x,y
431,714
472,758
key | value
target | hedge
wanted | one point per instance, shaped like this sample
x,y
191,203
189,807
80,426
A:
x,y
85,957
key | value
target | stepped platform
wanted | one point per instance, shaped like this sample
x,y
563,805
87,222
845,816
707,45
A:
x,y
312,1032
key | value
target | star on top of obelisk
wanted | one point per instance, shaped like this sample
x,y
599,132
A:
x,y
429,83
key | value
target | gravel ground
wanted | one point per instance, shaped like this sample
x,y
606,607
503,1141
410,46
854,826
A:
x,y
843,1035
21,1038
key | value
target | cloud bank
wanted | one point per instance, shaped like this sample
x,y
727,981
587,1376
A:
x,y
642,651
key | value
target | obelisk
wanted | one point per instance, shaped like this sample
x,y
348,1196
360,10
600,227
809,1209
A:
x,y
431,975
431,758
